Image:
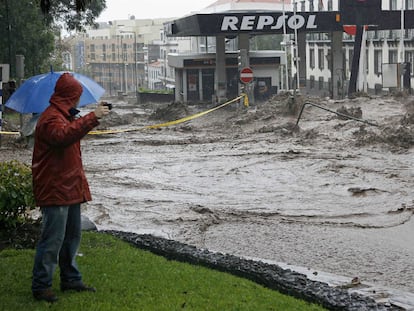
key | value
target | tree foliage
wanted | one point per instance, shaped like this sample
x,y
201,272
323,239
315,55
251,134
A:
x,y
80,5
25,30
74,14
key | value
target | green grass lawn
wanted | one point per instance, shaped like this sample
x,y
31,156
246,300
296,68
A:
x,y
128,278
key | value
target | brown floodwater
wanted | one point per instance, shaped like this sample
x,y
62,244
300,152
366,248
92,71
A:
x,y
331,196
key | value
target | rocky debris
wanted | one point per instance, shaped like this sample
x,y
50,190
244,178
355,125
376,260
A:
x,y
174,111
287,129
113,119
408,118
272,276
354,112
395,136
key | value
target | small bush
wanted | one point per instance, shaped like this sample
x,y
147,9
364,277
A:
x,y
16,193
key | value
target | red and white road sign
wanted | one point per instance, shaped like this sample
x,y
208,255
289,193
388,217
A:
x,y
246,75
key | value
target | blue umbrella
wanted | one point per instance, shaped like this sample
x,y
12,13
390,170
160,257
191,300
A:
x,y
34,94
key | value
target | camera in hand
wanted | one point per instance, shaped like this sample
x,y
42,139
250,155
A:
x,y
109,105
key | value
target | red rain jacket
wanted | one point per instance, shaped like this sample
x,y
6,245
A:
x,y
58,175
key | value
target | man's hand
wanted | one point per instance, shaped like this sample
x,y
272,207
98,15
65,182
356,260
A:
x,y
101,110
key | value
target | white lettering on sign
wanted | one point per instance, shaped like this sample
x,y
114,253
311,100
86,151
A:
x,y
229,23
296,22
280,22
251,22
248,22
264,21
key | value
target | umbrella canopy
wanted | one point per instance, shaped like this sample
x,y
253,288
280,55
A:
x,y
34,94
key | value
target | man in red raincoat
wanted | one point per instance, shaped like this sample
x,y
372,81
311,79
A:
x,y
60,186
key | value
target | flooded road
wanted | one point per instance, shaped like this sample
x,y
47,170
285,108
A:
x,y
330,196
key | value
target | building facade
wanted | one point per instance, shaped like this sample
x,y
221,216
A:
x,y
381,49
117,54
128,54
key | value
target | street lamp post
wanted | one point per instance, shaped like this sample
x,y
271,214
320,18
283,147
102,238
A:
x,y
9,28
110,74
135,63
120,60
285,47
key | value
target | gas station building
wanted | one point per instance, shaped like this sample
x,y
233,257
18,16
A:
x,y
206,76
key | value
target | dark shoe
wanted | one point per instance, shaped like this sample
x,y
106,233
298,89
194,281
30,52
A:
x,y
77,286
46,295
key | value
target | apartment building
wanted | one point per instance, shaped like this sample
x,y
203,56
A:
x,y
117,54
381,49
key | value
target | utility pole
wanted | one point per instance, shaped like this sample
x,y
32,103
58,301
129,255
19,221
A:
x,y
285,41
296,54
355,60
359,13
135,69
401,50
9,34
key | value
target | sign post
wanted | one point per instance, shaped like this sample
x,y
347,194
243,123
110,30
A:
x,y
246,77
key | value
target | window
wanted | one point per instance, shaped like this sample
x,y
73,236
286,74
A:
x,y
320,83
320,5
311,7
409,34
321,59
124,52
377,61
344,59
350,58
312,58
393,5
312,82
393,56
409,58
330,6
329,59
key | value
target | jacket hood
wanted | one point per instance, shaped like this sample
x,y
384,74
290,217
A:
x,y
67,92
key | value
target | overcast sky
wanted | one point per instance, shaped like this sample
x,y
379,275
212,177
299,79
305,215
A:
x,y
141,9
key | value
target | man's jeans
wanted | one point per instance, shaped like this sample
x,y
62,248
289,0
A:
x,y
59,243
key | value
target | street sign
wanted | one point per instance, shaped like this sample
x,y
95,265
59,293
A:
x,y
246,75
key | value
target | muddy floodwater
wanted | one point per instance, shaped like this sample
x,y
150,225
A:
x,y
334,195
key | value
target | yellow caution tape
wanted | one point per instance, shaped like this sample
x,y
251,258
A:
x,y
185,119
155,126
9,133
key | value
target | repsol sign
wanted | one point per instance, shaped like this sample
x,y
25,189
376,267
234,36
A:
x,y
267,22
254,23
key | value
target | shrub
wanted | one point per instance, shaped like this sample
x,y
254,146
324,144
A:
x,y
16,193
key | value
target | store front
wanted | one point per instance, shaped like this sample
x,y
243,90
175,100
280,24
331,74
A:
x,y
196,75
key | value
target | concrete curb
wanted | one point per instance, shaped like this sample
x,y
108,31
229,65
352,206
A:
x,y
270,275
